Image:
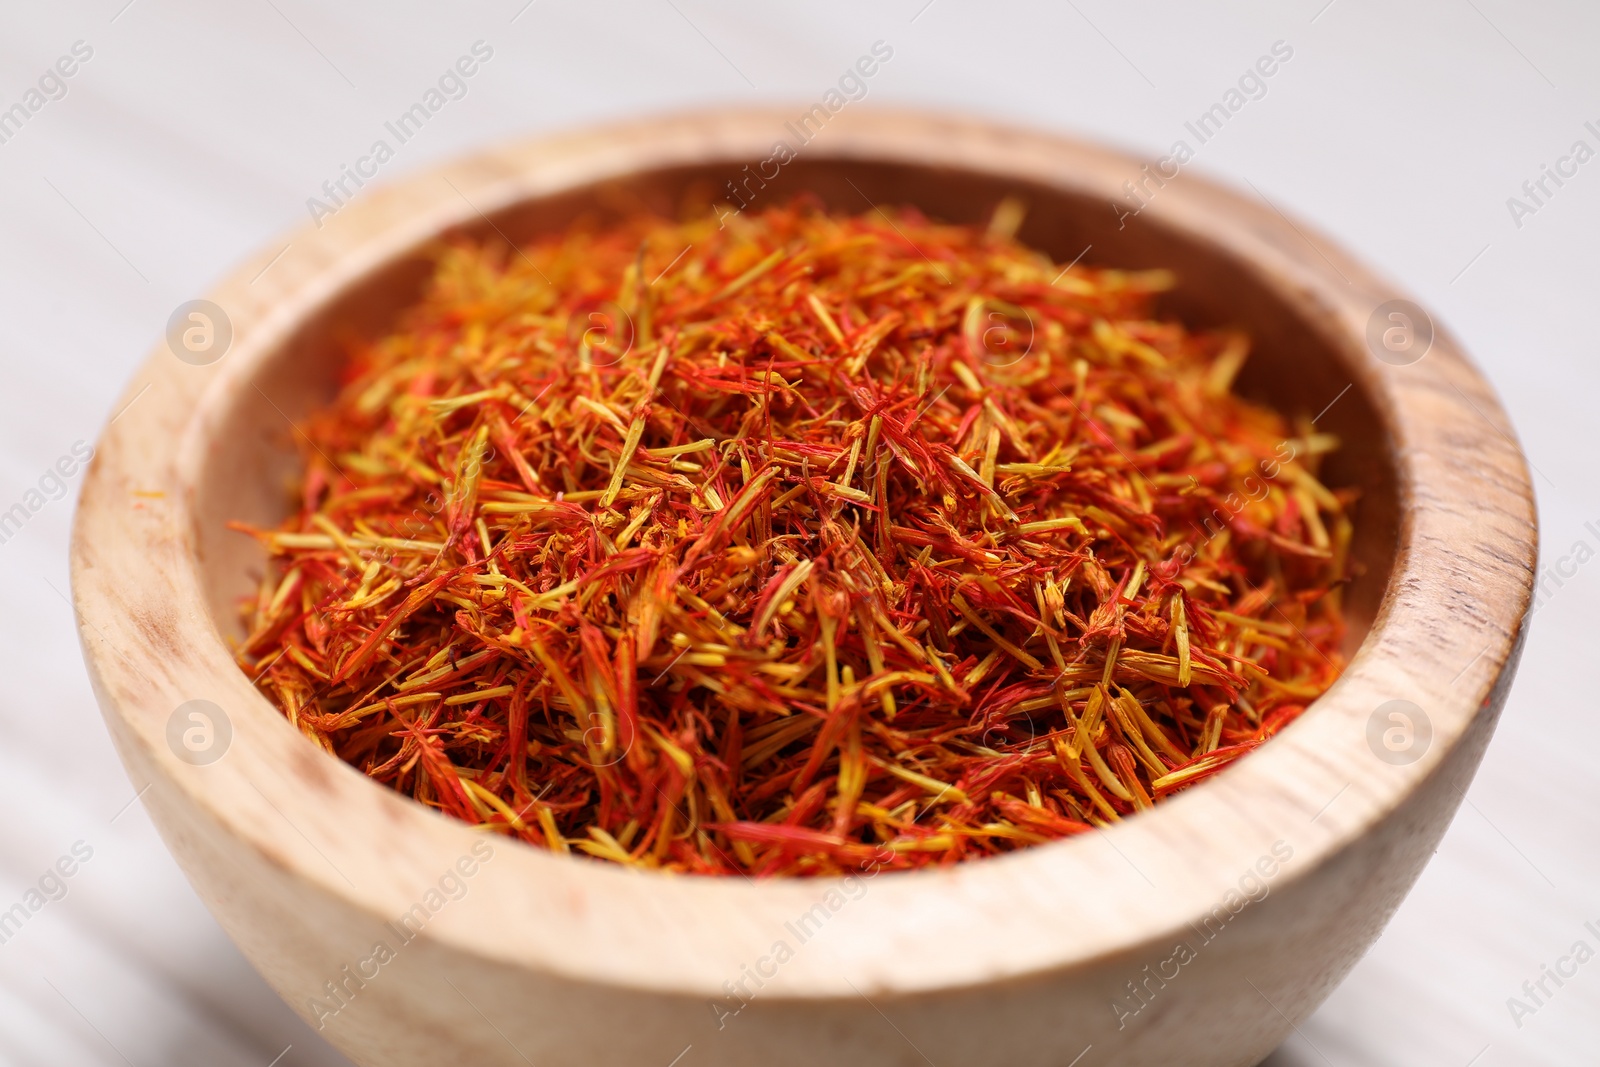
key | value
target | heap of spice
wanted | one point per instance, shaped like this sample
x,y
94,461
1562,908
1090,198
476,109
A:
x,y
793,543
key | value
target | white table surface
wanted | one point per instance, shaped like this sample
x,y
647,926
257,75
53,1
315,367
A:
x,y
196,131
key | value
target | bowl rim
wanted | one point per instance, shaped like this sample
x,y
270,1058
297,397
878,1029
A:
x,y
1447,631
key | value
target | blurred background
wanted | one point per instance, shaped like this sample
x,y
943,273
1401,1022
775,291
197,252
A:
x,y
191,134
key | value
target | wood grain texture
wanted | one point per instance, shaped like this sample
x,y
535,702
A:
x,y
560,961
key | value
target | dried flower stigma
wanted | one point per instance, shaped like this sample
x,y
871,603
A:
x,y
847,541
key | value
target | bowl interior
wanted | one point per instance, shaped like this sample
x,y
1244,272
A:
x,y
1296,366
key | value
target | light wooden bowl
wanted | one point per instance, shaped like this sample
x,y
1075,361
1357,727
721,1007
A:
x,y
1197,934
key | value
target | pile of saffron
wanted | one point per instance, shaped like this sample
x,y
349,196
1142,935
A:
x,y
792,543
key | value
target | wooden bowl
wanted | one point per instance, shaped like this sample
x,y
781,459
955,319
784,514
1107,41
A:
x,y
1198,933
